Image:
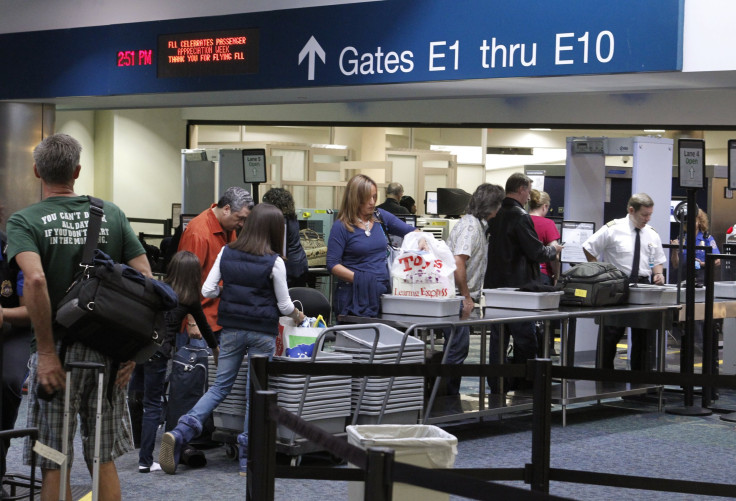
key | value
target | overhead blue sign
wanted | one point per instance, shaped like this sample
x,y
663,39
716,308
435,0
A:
x,y
393,41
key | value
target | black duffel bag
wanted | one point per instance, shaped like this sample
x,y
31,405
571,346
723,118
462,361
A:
x,y
593,284
111,307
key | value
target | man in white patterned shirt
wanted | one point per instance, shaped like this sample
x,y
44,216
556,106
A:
x,y
469,244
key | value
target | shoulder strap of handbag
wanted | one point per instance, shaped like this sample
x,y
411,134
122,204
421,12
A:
x,y
383,225
96,211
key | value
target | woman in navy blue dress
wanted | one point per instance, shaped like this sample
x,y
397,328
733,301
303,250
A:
x,y
356,250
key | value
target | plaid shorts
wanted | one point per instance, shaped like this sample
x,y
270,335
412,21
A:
x,y
116,438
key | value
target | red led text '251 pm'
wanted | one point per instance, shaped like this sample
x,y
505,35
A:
x,y
135,57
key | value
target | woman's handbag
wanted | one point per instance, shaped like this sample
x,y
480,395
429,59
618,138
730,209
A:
x,y
111,307
314,246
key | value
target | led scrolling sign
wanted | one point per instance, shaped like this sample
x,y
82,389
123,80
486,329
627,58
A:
x,y
228,52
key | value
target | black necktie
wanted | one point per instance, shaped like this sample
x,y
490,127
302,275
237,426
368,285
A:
x,y
634,277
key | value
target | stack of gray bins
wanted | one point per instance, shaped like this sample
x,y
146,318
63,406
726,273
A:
x,y
383,400
324,401
230,414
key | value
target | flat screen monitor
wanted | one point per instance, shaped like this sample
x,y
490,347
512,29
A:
x,y
430,203
184,220
573,235
452,201
409,219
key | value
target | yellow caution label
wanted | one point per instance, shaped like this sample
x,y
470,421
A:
x,y
581,293
86,497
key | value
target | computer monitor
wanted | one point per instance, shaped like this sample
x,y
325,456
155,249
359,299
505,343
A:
x,y
184,220
430,203
452,201
573,235
409,219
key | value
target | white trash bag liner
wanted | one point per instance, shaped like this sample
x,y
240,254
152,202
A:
x,y
439,446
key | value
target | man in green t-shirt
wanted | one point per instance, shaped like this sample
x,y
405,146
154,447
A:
x,y
46,240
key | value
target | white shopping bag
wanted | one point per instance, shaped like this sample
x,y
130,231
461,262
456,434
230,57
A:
x,y
294,341
424,267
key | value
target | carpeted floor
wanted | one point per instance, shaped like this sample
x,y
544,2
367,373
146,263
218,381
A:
x,y
617,437
628,438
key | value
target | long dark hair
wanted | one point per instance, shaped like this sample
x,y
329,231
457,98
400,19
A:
x,y
184,275
262,233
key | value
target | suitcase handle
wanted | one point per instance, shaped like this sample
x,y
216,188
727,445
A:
x,y
86,365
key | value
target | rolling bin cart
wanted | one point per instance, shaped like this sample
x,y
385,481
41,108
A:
x,y
324,401
381,400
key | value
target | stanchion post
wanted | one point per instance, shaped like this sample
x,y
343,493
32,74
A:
x,y
710,356
379,483
261,439
541,370
687,358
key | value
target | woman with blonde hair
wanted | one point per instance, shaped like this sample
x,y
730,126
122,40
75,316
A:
x,y
539,203
356,250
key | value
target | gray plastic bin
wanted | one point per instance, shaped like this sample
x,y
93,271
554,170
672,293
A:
x,y
419,445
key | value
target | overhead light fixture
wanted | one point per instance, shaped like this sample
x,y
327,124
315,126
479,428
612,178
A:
x,y
509,150
540,129
655,131
331,146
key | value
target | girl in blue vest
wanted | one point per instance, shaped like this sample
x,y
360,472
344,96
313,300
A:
x,y
253,296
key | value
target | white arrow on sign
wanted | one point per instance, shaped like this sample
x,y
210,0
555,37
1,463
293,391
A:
x,y
313,47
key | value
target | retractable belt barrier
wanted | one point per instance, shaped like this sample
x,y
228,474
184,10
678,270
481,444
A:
x,y
469,482
451,481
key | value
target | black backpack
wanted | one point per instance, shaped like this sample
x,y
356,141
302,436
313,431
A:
x,y
593,284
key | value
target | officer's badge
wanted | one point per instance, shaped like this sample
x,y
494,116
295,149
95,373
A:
x,y
6,289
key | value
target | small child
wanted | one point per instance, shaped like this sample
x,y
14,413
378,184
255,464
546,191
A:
x,y
183,276
253,296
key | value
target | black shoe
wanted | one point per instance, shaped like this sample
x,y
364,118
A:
x,y
192,457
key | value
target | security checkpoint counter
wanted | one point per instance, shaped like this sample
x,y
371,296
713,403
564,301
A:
x,y
656,317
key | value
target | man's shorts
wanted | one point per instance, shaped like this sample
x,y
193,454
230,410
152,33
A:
x,y
116,438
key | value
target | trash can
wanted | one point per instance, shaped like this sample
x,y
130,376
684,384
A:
x,y
419,445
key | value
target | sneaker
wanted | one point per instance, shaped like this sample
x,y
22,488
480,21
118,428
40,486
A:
x,y
148,469
170,451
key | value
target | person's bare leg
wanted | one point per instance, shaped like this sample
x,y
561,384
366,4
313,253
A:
x,y
50,485
109,482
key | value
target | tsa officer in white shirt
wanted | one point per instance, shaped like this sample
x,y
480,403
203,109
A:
x,y
643,261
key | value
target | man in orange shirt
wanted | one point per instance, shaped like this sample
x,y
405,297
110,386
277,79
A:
x,y
205,236
208,233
